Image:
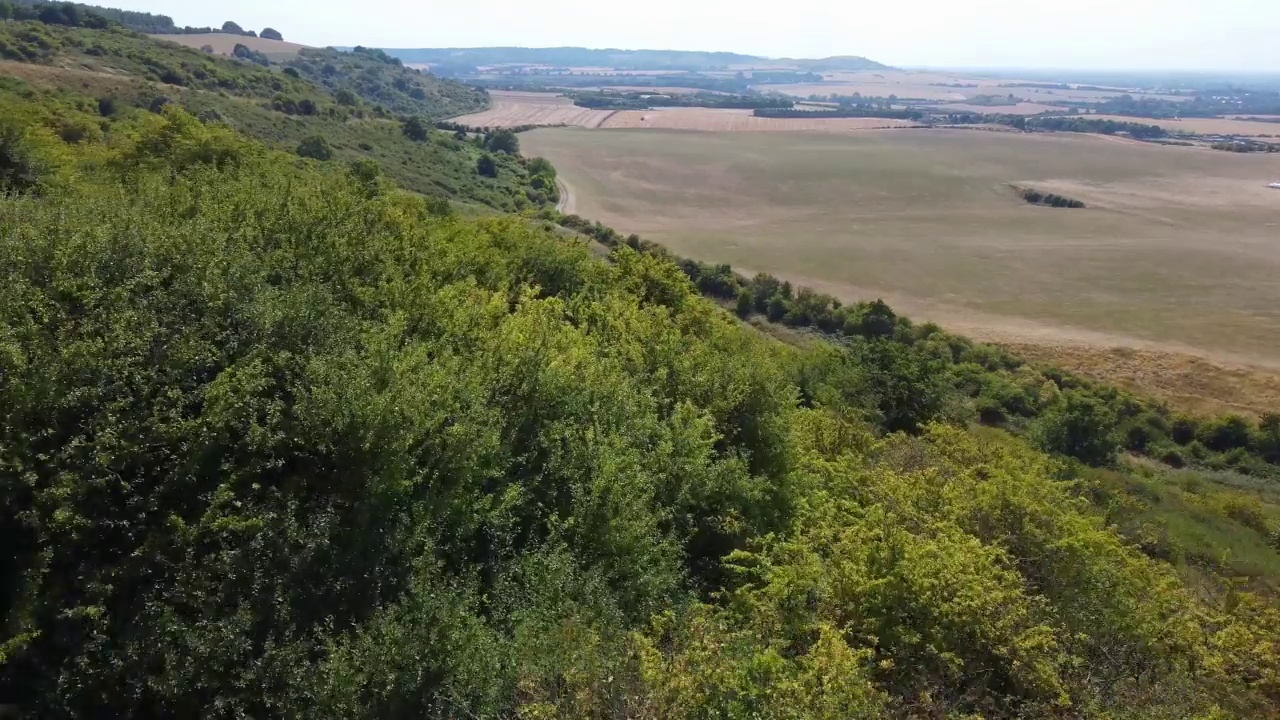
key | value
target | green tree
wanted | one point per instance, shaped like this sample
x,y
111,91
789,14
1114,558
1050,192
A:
x,y
745,303
271,34
504,141
316,148
1079,426
415,129
21,170
232,28
487,166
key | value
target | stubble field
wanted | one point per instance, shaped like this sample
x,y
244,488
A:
x,y
515,108
1178,251
224,44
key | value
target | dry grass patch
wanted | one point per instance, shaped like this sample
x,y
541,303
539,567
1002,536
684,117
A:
x,y
515,108
1188,383
224,44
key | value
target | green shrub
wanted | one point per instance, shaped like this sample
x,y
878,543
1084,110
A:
x,y
21,169
316,148
1079,426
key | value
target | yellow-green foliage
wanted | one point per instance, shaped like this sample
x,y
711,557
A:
x,y
279,442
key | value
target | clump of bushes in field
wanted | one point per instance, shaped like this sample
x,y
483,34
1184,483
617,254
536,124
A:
x,y
1036,197
1246,146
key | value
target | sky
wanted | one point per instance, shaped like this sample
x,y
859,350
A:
x,y
1093,34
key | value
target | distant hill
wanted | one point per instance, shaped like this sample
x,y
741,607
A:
x,y
614,58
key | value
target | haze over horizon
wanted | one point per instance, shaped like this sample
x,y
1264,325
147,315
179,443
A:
x,y
1086,34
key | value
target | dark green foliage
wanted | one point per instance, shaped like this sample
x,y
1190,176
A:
x,y
486,166
1078,124
415,129
503,141
1078,426
235,332
1035,197
271,34
232,28
1226,433
745,304
316,148
245,53
137,21
106,106
20,169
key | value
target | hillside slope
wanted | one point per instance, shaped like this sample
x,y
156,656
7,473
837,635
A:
x,y
382,80
279,438
278,106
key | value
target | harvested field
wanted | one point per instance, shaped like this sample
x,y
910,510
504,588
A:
x,y
224,44
709,120
1208,126
514,108
1178,251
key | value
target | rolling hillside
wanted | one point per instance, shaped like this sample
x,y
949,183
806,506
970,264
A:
x,y
281,109
284,435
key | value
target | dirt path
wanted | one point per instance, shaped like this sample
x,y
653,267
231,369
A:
x,y
566,204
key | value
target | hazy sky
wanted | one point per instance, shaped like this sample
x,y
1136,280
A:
x,y
1152,34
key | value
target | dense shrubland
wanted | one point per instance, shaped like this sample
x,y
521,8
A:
x,y
282,108
370,77
278,438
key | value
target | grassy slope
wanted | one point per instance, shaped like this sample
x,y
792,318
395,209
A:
x,y
135,70
383,81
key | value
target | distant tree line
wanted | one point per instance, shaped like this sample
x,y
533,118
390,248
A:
x,y
843,112
1089,125
1246,146
1073,123
64,14
644,101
